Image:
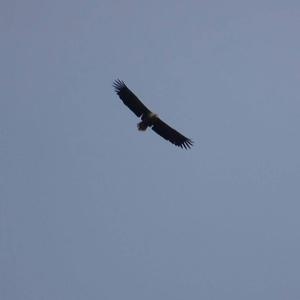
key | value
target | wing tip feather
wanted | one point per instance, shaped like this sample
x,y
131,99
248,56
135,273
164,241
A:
x,y
118,85
187,144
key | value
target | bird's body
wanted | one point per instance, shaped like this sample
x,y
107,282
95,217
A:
x,y
150,119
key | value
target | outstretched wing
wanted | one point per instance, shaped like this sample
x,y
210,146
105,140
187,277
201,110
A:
x,y
129,98
170,134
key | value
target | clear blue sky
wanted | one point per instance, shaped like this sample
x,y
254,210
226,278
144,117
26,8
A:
x,y
90,208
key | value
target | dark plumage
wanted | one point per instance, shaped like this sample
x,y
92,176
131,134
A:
x,y
149,119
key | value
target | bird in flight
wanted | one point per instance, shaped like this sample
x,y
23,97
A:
x,y
149,119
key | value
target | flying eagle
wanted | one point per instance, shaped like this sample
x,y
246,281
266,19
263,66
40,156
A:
x,y
149,119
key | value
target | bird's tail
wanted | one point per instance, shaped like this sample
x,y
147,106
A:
x,y
142,126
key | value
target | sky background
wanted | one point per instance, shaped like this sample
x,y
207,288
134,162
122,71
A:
x,y
90,208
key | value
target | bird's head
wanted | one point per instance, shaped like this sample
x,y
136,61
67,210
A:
x,y
152,115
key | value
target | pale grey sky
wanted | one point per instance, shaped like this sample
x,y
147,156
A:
x,y
90,208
